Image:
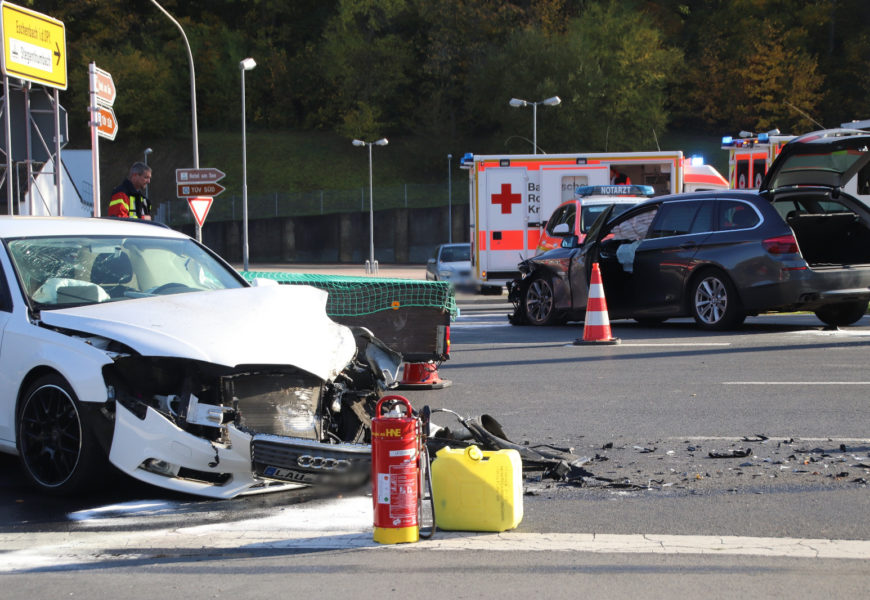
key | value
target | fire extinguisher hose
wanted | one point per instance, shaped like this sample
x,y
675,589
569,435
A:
x,y
426,465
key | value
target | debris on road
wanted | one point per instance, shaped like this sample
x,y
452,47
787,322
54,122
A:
x,y
740,453
627,466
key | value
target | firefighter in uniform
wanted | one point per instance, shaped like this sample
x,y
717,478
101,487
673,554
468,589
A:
x,y
128,199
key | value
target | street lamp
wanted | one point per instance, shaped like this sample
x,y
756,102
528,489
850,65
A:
x,y
517,103
449,202
146,153
192,97
371,265
245,65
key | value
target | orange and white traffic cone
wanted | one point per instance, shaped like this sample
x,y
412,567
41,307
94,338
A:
x,y
596,327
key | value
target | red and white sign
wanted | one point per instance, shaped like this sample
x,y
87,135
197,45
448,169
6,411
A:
x,y
107,124
200,206
189,190
105,88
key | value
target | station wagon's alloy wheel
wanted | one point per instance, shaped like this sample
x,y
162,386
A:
x,y
539,302
714,302
57,451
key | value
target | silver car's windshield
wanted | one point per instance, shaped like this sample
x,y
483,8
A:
x,y
64,271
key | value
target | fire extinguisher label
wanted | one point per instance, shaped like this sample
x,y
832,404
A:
x,y
403,494
412,452
383,488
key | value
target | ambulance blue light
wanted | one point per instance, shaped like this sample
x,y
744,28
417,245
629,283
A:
x,y
763,137
727,140
696,161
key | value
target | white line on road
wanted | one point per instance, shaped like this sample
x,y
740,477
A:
x,y
796,383
668,344
346,524
661,345
770,438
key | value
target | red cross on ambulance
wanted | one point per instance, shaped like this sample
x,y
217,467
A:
x,y
506,198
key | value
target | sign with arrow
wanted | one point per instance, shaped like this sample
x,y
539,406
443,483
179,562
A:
x,y
107,124
105,85
206,175
34,46
188,190
200,206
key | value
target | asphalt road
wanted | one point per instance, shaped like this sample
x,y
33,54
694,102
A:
x,y
714,465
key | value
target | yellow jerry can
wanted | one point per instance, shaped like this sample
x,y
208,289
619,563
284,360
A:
x,y
477,490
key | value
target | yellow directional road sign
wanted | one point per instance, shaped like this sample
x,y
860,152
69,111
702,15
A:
x,y
34,46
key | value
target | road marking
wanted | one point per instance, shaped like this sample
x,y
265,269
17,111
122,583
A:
x,y
669,344
660,345
769,438
346,524
796,383
92,548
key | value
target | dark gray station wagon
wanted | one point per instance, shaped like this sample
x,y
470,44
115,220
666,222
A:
x,y
802,242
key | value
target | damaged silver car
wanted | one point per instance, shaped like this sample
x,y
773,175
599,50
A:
x,y
127,343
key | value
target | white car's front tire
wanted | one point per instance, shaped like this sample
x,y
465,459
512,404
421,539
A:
x,y
56,448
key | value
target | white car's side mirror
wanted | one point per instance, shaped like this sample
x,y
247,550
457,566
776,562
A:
x,y
263,282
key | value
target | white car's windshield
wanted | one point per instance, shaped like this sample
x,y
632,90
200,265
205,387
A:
x,y
74,270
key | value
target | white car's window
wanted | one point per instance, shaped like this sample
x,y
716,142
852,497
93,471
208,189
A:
x,y
76,270
455,253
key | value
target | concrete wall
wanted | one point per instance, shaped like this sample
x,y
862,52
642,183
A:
x,y
401,236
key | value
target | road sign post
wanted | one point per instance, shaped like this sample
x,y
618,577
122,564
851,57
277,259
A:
x,y
103,122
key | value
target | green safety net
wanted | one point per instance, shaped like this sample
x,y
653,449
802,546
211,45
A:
x,y
355,296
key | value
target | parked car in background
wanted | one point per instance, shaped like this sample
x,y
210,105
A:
x,y
576,216
451,262
126,343
802,242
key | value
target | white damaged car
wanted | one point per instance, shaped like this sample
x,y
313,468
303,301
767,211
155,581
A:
x,y
128,343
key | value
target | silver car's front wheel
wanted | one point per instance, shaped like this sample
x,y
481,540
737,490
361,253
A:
x,y
714,302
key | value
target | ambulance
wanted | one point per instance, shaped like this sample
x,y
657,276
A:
x,y
511,197
750,155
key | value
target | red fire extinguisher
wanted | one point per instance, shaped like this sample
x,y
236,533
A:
x,y
396,451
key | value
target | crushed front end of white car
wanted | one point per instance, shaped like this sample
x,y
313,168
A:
x,y
224,392
133,344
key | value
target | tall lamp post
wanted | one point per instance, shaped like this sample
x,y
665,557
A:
x,y
192,98
145,156
449,202
517,103
245,65
371,265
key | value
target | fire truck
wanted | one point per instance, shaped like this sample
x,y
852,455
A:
x,y
749,156
511,197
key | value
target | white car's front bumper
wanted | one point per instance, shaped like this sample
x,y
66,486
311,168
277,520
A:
x,y
136,441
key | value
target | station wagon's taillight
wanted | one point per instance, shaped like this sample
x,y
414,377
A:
x,y
783,244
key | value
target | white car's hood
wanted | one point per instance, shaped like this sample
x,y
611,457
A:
x,y
272,325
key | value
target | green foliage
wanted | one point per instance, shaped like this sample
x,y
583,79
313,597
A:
x,y
439,73
610,69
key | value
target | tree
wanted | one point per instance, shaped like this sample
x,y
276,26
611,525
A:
x,y
611,68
